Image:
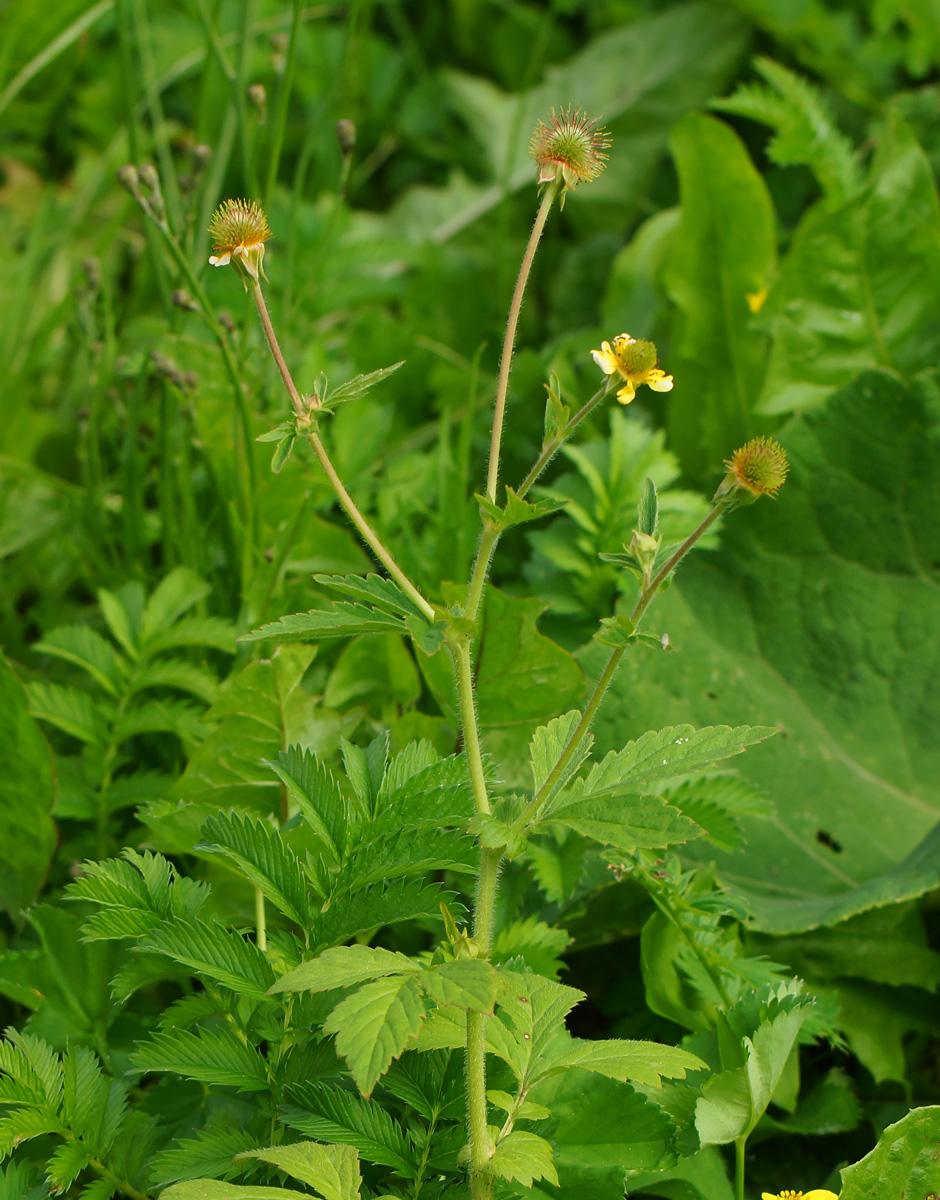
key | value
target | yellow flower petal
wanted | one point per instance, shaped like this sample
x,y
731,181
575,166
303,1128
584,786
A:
x,y
626,393
605,358
660,385
755,302
221,260
820,1194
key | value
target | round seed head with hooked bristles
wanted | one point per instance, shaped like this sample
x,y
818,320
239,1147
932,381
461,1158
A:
x,y
570,149
760,467
239,230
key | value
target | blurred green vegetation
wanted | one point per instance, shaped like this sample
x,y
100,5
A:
x,y
769,216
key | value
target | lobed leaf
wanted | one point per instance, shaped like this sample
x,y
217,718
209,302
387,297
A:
x,y
333,1114
375,1025
210,1056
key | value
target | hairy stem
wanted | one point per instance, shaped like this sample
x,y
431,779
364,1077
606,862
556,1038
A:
x,y
509,342
366,532
549,452
600,688
739,1145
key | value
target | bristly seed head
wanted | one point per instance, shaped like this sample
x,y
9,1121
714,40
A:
x,y
760,467
570,149
239,230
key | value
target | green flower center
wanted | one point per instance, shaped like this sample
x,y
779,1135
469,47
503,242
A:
x,y
636,357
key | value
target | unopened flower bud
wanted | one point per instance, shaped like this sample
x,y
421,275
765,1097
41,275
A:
x,y
129,179
346,136
149,177
259,98
569,150
201,156
183,300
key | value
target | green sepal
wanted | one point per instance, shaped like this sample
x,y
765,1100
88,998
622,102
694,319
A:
x,y
616,631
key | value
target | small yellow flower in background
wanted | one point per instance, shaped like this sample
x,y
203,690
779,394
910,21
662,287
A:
x,y
239,230
759,467
635,362
755,300
816,1194
570,149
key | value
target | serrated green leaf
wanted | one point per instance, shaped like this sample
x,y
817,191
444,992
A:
x,y
311,786
219,953
373,590
211,1056
65,1165
523,1158
83,646
375,1025
644,1063
626,822
806,132
74,712
24,1125
282,452
174,673
209,1153
517,511
531,1012
333,1114
494,834
342,966
124,611
214,1189
278,433
259,852
676,750
356,387
333,1171
343,620
377,905
467,983
546,748
539,945
194,631
176,593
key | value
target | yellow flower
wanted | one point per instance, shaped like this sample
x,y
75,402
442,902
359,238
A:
x,y
816,1194
759,467
570,149
755,300
635,362
239,230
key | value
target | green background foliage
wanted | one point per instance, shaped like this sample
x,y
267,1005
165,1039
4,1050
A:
x,y
769,216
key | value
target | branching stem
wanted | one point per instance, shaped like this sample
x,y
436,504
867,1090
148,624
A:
x,y
366,532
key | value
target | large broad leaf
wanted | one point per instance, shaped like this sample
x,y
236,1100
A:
x,y
27,793
904,1163
723,251
819,615
605,1129
860,286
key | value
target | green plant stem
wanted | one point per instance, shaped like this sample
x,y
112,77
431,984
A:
x,y
492,533
366,532
739,1145
509,342
549,452
670,913
469,727
481,1184
600,688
